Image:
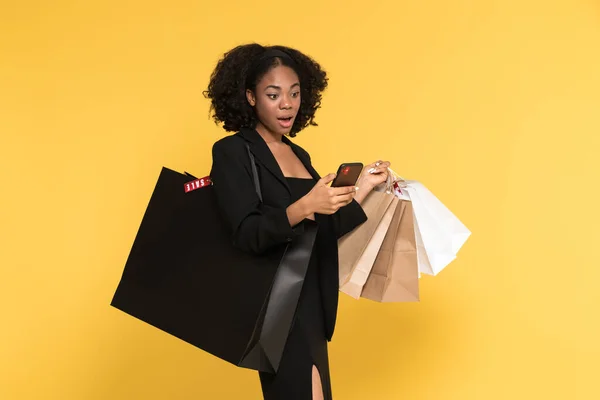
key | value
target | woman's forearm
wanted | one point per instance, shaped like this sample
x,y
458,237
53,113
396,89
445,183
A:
x,y
298,211
362,191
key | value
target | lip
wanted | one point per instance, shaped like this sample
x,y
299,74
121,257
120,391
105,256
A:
x,y
286,123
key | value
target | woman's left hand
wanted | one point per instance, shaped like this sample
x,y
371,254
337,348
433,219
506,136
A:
x,y
371,176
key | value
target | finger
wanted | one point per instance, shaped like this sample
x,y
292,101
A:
x,y
377,170
327,178
373,164
379,164
340,191
344,199
382,168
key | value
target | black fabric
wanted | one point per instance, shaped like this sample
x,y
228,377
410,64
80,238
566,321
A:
x,y
307,343
204,264
259,226
185,277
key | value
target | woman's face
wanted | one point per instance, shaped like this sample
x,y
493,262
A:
x,y
276,100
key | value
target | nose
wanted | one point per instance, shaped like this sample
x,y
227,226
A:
x,y
286,102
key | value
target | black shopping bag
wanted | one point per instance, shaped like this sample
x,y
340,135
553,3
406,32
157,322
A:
x,y
184,277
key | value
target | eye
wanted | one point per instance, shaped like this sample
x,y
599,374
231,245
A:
x,y
295,94
272,96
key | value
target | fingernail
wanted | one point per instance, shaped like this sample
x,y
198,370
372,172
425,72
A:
x,y
355,188
372,170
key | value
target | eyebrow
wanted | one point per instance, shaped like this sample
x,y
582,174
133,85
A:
x,y
279,87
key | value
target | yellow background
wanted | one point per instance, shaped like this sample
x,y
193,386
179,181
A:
x,y
494,105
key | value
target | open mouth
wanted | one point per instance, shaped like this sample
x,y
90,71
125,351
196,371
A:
x,y
285,122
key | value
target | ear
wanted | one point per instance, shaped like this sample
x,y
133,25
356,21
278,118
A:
x,y
250,97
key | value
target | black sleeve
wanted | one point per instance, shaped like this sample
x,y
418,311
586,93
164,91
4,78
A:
x,y
348,217
255,227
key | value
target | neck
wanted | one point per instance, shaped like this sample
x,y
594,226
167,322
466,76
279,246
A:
x,y
267,135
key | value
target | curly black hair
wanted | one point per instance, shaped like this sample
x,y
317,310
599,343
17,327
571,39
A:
x,y
233,75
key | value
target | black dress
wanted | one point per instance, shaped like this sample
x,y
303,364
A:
x,y
307,344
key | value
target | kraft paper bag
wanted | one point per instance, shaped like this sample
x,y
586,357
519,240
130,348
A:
x,y
352,245
361,269
395,273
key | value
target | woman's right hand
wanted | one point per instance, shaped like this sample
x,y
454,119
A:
x,y
323,199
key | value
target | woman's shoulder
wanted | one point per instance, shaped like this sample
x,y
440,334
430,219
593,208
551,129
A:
x,y
231,144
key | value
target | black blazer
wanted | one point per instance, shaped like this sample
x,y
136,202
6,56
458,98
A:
x,y
255,227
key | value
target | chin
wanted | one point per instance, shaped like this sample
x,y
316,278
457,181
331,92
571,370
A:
x,y
282,131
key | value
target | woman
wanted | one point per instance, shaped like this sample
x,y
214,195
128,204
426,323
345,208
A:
x,y
266,94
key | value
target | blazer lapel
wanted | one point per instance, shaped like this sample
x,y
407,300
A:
x,y
261,151
302,156
263,154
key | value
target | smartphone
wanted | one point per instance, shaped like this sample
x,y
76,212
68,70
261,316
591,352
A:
x,y
347,174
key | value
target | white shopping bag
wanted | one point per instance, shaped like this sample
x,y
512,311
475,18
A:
x,y
439,233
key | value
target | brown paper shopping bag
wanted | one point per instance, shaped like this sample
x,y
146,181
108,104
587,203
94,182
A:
x,y
395,273
353,285
352,245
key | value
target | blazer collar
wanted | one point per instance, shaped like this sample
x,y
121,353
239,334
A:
x,y
263,154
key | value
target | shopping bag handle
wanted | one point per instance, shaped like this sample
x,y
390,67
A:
x,y
387,185
254,173
396,178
